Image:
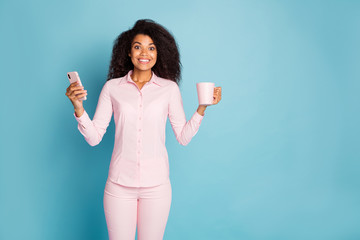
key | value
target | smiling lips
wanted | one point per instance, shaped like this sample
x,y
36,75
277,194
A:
x,y
144,61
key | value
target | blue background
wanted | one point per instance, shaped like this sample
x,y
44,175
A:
x,y
277,158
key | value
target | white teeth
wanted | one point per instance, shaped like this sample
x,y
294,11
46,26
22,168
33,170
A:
x,y
143,60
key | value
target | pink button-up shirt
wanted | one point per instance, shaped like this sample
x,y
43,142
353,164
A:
x,y
139,157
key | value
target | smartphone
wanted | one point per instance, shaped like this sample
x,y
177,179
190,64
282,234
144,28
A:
x,y
74,77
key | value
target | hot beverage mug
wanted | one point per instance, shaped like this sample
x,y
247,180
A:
x,y
205,91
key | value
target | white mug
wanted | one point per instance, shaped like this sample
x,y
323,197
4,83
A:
x,y
205,91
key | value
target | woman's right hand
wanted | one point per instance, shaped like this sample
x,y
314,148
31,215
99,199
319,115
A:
x,y
74,93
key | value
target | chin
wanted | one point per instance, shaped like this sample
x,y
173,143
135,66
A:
x,y
143,68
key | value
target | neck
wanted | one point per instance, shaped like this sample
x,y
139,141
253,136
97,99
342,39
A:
x,y
141,76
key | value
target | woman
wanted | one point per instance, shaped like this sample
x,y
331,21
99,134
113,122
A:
x,y
142,91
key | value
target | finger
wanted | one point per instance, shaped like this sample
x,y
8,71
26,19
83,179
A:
x,y
75,83
215,98
76,93
80,92
81,95
76,88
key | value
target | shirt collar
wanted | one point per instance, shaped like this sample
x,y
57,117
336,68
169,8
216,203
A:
x,y
127,78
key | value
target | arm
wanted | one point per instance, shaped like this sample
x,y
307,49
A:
x,y
184,131
94,130
201,110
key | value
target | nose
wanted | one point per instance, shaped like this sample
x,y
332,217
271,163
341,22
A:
x,y
143,51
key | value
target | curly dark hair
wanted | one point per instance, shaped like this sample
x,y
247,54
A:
x,y
168,63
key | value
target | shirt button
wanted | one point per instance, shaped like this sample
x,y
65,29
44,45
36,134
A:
x,y
139,130
140,105
138,152
139,118
138,141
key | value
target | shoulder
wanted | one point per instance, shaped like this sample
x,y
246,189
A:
x,y
112,83
171,87
166,83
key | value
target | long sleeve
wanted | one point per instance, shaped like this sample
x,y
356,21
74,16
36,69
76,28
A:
x,y
94,130
184,131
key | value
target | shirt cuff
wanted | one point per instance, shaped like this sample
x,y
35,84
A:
x,y
197,117
83,120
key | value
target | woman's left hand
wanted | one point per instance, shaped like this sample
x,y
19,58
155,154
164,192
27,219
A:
x,y
217,95
216,100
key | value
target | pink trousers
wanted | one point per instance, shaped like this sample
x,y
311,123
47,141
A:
x,y
145,207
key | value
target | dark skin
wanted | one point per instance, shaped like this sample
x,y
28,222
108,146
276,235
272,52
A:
x,y
143,49
143,55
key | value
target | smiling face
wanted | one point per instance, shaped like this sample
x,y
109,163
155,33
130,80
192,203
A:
x,y
143,52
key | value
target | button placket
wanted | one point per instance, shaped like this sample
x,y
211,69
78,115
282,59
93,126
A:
x,y
140,126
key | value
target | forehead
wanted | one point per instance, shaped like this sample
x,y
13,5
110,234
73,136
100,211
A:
x,y
143,39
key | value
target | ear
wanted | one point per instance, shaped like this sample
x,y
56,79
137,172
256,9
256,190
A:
x,y
129,54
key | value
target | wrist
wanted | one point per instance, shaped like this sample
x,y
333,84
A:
x,y
201,110
79,111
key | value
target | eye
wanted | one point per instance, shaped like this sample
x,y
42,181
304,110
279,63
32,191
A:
x,y
137,47
152,48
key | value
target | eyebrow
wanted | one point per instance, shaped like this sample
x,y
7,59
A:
x,y
141,44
